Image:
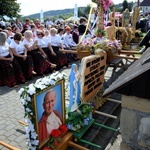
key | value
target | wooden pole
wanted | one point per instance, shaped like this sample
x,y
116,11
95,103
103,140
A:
x,y
79,147
104,114
69,51
8,146
126,57
114,100
23,123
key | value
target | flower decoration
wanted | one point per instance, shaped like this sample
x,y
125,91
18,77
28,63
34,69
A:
x,y
26,95
76,120
56,135
105,3
85,44
107,45
100,32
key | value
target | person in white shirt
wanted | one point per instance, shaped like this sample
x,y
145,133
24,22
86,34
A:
x,y
69,42
44,40
61,35
48,22
20,53
60,59
42,65
68,39
10,71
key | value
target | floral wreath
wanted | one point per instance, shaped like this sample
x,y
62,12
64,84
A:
x,y
26,94
105,3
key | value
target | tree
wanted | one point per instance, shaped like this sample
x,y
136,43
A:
x,y
130,6
124,5
80,12
9,8
87,9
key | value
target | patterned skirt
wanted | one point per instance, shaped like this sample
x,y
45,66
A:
x,y
47,52
41,64
26,66
10,73
60,59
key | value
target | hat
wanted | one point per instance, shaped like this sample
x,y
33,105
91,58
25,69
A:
x,y
68,28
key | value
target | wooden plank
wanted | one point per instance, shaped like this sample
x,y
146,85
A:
x,y
8,146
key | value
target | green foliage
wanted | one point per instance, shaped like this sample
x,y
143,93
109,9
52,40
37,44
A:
x,y
124,5
100,32
9,8
130,6
85,109
80,12
87,9
74,118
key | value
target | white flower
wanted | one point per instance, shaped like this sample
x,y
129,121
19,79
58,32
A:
x,y
29,144
34,142
31,89
31,127
28,110
52,82
28,121
27,136
20,91
33,135
27,130
38,80
22,101
28,98
33,147
40,85
45,81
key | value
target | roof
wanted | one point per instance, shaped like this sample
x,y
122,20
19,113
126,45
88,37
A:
x,y
145,3
135,80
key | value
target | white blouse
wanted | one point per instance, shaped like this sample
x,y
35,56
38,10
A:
x,y
19,48
68,40
55,40
4,50
43,42
29,43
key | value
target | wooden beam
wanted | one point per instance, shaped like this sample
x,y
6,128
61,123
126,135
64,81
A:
x,y
104,114
128,52
22,123
77,146
113,100
69,51
126,57
8,146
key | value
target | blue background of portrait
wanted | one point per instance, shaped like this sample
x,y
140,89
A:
x,y
58,105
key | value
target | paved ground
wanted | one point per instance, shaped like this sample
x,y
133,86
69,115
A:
x,y
11,110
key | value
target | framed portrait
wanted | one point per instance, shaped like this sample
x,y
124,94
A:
x,y
49,107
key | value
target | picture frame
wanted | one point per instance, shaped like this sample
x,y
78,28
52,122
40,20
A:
x,y
30,97
59,106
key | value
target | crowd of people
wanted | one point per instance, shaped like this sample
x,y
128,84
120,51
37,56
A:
x,y
33,48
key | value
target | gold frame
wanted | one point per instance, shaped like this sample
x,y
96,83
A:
x,y
60,82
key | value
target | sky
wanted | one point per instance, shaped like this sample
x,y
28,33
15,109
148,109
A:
x,y
29,7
